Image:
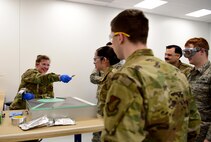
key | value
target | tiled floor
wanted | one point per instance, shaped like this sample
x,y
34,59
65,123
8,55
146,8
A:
x,y
85,138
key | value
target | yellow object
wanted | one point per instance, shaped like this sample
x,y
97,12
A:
x,y
16,120
17,117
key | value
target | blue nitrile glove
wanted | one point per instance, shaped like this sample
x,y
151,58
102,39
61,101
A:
x,y
65,78
28,96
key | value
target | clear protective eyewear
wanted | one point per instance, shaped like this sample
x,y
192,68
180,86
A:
x,y
99,57
117,33
189,52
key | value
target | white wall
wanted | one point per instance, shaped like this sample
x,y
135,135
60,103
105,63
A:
x,y
9,47
210,35
167,30
70,33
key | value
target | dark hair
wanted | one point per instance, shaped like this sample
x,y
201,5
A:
x,y
177,49
108,53
132,22
41,57
109,43
198,42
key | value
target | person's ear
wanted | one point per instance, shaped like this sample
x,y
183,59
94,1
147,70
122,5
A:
x,y
202,50
105,59
121,38
178,56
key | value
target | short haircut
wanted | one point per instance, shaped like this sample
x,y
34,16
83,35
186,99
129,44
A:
x,y
178,49
41,57
132,22
198,42
108,53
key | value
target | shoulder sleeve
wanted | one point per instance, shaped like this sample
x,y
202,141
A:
x,y
96,77
33,76
123,104
194,120
187,71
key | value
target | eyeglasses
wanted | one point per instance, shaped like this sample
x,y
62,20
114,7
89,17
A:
x,y
117,33
189,52
99,57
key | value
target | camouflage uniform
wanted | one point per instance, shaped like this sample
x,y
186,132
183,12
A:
x,y
36,83
96,76
200,81
103,87
184,68
149,101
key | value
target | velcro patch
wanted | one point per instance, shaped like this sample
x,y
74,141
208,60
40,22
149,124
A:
x,y
112,105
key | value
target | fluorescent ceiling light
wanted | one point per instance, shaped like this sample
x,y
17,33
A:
x,y
150,4
199,13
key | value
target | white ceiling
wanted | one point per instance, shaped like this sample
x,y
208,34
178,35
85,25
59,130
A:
x,y
174,8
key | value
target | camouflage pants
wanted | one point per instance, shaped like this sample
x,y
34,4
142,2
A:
x,y
96,137
203,133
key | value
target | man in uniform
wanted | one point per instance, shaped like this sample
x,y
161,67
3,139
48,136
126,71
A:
x,y
148,100
173,55
196,50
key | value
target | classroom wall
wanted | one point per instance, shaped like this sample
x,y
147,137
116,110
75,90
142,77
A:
x,y
210,34
69,34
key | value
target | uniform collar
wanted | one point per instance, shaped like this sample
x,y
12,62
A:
x,y
203,68
178,64
141,52
106,73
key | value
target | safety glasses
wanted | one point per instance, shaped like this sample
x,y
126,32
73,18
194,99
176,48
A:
x,y
189,52
117,33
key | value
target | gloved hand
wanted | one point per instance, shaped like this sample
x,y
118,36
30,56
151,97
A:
x,y
65,78
28,96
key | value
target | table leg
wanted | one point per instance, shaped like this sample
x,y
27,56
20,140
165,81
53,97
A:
x,y
77,138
